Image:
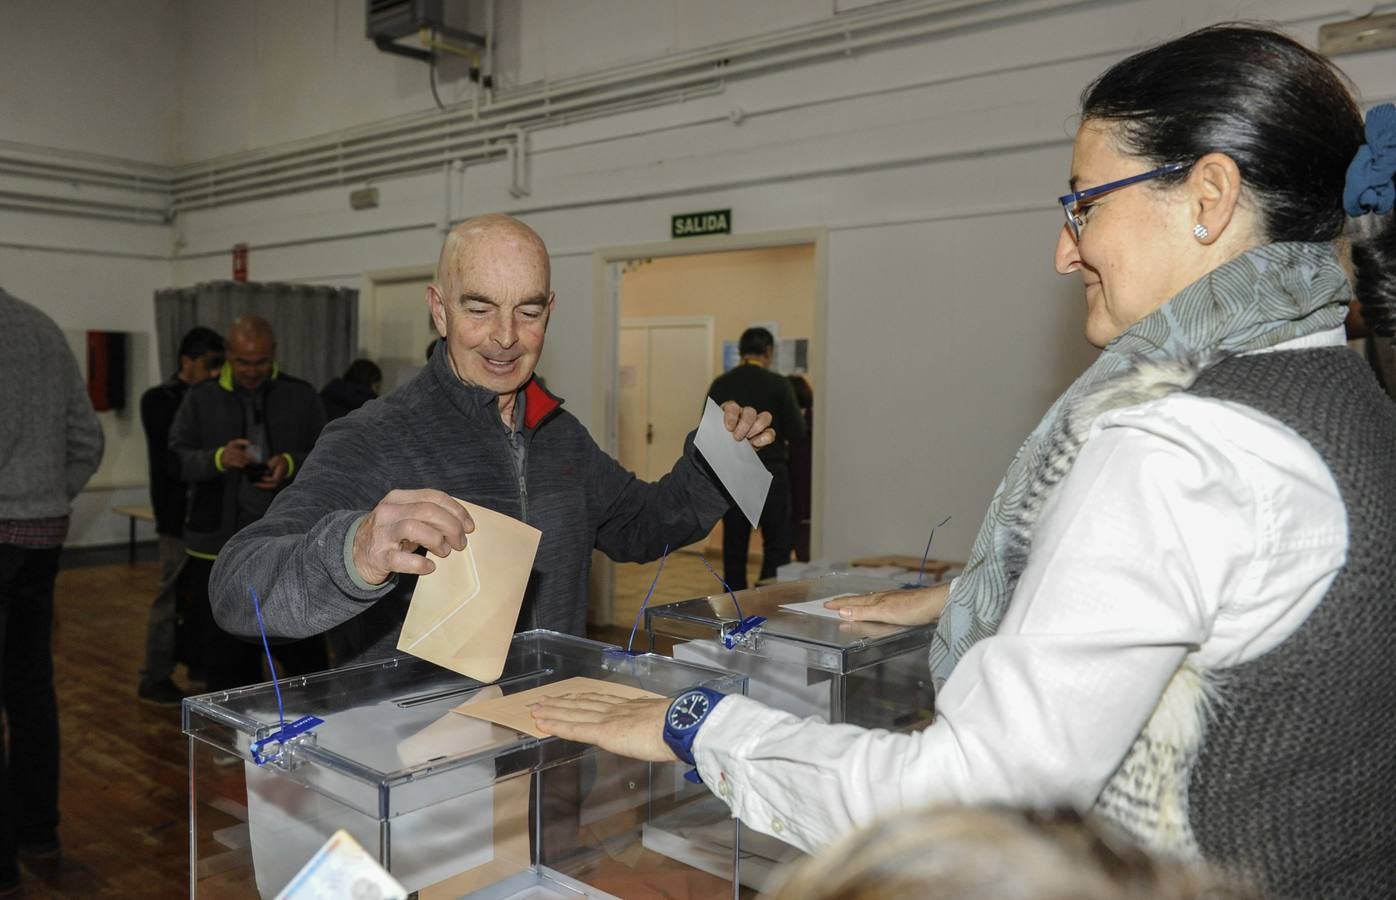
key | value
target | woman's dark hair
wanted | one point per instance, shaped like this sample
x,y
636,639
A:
x,y
1283,113
363,371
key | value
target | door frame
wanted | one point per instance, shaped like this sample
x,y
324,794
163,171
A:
x,y
606,262
368,298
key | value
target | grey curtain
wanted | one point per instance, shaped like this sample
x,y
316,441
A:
x,y
316,327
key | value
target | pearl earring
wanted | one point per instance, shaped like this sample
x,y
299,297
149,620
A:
x,y
1200,231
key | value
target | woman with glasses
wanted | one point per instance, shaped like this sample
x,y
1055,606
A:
x,y
1181,608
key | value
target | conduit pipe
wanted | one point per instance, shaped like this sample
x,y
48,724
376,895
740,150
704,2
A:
x,y
70,206
534,108
518,165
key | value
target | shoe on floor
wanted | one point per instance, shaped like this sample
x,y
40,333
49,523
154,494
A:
x,y
43,845
41,849
161,693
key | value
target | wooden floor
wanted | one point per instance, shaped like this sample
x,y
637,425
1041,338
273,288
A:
x,y
124,790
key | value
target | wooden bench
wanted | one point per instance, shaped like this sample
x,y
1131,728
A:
x,y
936,568
134,512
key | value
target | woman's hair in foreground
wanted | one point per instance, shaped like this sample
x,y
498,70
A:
x,y
1283,113
993,853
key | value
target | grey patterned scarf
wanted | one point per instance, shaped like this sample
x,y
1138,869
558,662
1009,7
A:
x,y
1268,295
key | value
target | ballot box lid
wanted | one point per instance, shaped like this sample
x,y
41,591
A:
x,y
392,721
822,642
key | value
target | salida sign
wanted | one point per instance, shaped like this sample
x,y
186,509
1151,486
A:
x,y
717,221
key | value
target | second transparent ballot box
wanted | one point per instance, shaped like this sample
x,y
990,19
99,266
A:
x,y
864,673
450,805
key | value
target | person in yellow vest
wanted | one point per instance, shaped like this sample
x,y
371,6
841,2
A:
x,y
240,440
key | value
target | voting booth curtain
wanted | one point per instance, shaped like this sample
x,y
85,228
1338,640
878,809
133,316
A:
x,y
316,327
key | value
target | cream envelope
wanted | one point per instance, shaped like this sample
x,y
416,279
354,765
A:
x,y
462,615
512,711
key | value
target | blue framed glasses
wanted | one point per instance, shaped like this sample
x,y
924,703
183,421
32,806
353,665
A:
x,y
1071,203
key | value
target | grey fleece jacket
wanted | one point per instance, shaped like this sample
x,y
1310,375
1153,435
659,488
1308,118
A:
x,y
50,439
436,432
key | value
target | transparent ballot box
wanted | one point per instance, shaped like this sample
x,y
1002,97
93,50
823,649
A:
x,y
864,673
450,805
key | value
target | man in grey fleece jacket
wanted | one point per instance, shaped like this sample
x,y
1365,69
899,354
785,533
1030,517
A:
x,y
338,545
50,444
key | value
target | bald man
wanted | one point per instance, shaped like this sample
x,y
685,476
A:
x,y
240,440
339,545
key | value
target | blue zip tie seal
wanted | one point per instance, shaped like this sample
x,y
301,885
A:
x,y
281,736
629,645
741,631
278,739
745,628
921,574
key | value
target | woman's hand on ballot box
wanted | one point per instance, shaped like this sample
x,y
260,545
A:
x,y
403,521
912,606
633,728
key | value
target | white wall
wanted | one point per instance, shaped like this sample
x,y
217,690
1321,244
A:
x,y
94,77
933,165
96,276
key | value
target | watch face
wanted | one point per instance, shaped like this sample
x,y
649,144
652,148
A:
x,y
688,711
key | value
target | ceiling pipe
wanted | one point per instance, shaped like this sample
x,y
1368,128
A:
x,y
533,108
419,141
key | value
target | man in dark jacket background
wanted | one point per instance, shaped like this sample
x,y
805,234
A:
x,y
358,385
752,383
240,440
475,424
200,359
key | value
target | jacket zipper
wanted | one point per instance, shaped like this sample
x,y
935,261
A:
x,y
520,476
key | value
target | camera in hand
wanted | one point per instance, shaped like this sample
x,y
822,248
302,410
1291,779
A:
x,y
255,470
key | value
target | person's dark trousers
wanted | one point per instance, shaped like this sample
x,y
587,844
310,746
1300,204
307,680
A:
x,y
777,533
29,759
160,627
229,662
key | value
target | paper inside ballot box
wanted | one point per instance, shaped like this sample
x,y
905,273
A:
x,y
513,711
462,615
500,811
474,836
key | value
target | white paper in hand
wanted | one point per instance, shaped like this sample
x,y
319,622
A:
x,y
735,462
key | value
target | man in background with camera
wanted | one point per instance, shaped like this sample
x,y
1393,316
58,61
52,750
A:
x,y
240,439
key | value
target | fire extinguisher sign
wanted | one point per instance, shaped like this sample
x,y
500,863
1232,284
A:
x,y
239,262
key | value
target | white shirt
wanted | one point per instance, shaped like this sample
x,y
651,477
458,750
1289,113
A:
x,y
1187,525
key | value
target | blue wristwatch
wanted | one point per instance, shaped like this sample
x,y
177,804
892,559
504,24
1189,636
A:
x,y
685,717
